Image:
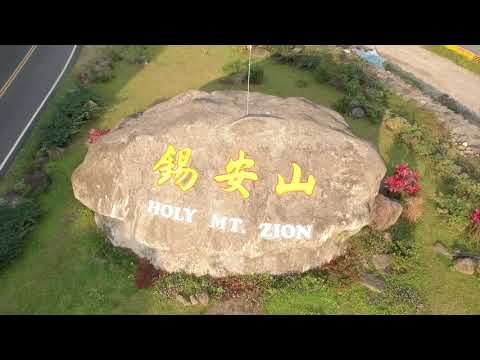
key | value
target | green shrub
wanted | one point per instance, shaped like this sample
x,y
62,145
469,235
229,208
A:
x,y
256,74
133,54
22,188
403,244
241,67
235,67
71,112
361,88
15,224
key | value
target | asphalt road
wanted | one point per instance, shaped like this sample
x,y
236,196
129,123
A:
x,y
28,76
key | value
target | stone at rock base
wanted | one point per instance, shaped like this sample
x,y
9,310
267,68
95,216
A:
x,y
381,262
203,298
193,300
385,213
358,113
117,182
55,153
373,283
388,237
465,265
442,249
260,52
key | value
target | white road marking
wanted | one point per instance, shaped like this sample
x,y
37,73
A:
x,y
4,162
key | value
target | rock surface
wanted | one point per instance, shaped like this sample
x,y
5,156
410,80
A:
x,y
116,180
381,262
373,283
465,265
385,212
442,249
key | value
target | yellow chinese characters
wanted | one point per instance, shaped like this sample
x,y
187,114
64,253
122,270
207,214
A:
x,y
235,174
296,184
184,176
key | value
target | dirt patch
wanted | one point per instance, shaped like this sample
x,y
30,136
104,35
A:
x,y
239,306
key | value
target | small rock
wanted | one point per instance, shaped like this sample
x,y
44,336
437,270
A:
x,y
91,104
442,249
83,78
373,282
385,212
357,112
182,300
55,153
465,265
40,161
193,300
203,298
381,262
297,50
388,237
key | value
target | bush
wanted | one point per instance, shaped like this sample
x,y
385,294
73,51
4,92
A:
x,y
403,244
71,112
102,69
235,67
362,88
15,224
256,74
239,67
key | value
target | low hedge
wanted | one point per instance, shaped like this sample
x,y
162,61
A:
x,y
15,223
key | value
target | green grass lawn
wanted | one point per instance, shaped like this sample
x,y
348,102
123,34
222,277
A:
x,y
456,58
67,267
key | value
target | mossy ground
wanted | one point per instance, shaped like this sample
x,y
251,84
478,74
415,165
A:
x,y
67,267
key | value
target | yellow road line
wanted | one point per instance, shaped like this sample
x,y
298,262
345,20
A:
x,y
17,70
470,55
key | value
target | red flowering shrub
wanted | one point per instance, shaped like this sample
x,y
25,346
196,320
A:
x,y
476,219
404,181
94,134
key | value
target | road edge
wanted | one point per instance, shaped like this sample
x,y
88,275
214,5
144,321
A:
x,y
4,166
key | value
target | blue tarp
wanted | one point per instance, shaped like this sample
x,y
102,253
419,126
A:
x,y
371,56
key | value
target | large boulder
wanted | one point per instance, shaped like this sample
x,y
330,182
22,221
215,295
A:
x,y
196,218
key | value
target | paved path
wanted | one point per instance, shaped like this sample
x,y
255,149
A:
x,y
441,73
28,76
